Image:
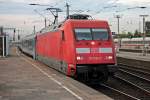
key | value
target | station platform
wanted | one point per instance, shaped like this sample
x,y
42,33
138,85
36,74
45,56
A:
x,y
136,60
131,55
22,78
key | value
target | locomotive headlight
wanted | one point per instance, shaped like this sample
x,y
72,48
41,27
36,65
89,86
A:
x,y
92,43
79,58
109,57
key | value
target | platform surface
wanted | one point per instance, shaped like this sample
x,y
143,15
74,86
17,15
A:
x,y
22,78
131,55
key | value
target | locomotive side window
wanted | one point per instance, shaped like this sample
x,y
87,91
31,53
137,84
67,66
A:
x,y
100,34
83,34
63,36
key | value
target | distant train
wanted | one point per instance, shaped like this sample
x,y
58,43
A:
x,y
76,47
134,43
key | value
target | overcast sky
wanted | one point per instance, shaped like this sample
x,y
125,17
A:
x,y
19,14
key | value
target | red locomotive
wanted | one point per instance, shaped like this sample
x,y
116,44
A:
x,y
78,47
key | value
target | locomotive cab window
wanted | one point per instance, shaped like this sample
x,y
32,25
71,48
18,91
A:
x,y
83,34
100,34
91,34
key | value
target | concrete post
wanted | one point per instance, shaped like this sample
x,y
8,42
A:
x,y
3,46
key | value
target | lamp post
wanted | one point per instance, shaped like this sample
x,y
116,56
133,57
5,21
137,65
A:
x,y
144,34
34,4
119,38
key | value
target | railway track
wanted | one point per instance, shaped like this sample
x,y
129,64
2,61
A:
x,y
139,82
119,89
128,84
137,77
117,94
134,68
138,72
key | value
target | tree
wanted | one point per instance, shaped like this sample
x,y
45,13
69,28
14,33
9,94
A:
x,y
130,35
136,33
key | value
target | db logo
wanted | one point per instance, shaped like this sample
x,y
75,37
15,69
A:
x,y
94,50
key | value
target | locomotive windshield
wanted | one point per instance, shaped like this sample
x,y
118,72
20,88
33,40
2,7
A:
x,y
83,34
91,34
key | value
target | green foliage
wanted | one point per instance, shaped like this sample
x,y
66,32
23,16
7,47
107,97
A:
x,y
128,35
136,34
148,34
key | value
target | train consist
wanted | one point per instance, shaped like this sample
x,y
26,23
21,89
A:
x,y
77,47
134,43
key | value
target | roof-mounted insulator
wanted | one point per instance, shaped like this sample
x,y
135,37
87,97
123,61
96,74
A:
x,y
79,16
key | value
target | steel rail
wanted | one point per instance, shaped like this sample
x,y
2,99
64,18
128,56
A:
x,y
135,70
120,92
132,84
145,79
142,70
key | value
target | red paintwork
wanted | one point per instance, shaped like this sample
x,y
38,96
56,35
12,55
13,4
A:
x,y
50,44
94,57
